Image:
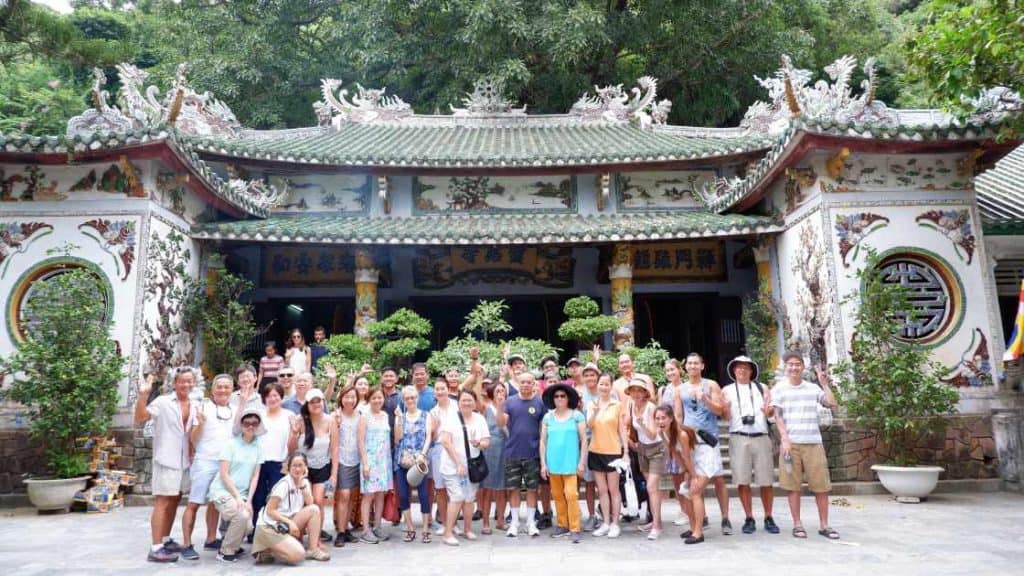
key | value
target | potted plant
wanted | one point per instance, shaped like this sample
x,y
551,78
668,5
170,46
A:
x,y
891,387
585,322
65,375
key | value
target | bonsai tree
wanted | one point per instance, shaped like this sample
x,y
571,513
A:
x,y
66,371
585,322
347,353
649,359
487,317
890,386
225,322
398,337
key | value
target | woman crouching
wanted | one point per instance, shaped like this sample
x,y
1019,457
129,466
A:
x,y
290,512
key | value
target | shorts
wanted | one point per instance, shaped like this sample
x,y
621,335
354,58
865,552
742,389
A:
x,y
751,458
522,472
201,475
457,491
602,462
652,458
170,481
266,537
435,453
348,477
809,465
320,475
707,461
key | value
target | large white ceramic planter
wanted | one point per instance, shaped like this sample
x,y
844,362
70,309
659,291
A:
x,y
908,484
54,495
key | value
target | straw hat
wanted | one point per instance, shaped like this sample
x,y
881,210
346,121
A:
x,y
251,411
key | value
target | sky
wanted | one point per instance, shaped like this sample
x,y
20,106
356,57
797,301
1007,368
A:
x,y
62,6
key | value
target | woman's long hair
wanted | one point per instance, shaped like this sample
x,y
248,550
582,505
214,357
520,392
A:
x,y
307,420
676,431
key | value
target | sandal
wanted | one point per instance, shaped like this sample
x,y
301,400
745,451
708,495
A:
x,y
799,532
486,530
829,533
410,535
426,537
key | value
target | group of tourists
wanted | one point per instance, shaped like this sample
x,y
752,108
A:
x,y
267,451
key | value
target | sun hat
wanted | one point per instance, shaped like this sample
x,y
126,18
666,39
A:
x,y
792,354
251,411
641,384
315,393
591,367
731,368
515,357
549,396
573,360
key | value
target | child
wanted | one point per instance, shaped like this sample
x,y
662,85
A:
x,y
270,364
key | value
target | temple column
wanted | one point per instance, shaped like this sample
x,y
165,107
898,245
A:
x,y
621,275
762,260
366,279
214,270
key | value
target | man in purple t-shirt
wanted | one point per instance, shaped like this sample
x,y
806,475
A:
x,y
522,416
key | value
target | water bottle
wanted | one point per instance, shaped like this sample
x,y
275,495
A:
x,y
788,462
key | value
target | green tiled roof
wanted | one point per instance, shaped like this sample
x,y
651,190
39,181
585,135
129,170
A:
x,y
462,146
917,132
1001,195
101,141
489,229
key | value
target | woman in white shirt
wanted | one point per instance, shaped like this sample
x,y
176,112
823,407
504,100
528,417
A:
x,y
298,355
273,444
290,512
467,428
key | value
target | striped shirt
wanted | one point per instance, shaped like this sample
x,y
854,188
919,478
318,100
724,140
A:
x,y
270,365
798,407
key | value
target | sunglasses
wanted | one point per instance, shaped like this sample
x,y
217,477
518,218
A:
x,y
279,375
250,423
561,396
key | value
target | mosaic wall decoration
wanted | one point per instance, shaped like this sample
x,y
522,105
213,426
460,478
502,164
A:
x,y
975,366
172,191
440,267
29,185
444,195
861,173
314,266
798,181
954,224
116,238
661,190
345,193
119,178
15,238
852,228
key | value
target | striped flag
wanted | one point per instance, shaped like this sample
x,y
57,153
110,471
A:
x,y
1015,348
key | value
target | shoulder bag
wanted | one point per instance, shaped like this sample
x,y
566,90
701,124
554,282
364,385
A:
x,y
475,467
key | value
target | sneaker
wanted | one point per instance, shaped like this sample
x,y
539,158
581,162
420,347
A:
x,y
439,531
545,522
614,531
681,520
653,534
318,554
264,557
189,553
513,530
324,536
770,526
368,537
339,540
532,529
172,546
575,537
602,530
726,527
161,555
350,537
457,529
559,531
508,517
229,558
591,524
381,534
749,526
215,545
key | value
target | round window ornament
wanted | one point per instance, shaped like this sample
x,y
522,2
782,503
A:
x,y
933,292
27,287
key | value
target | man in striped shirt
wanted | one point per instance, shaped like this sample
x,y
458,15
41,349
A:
x,y
803,457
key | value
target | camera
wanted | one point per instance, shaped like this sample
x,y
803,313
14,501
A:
x,y
281,528
748,420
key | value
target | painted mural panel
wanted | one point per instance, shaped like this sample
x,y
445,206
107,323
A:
x,y
865,172
476,194
661,190
440,267
336,193
29,183
328,266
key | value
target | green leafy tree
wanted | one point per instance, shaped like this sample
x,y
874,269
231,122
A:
x,y
890,386
67,369
585,322
347,353
487,317
399,336
649,359
964,47
224,320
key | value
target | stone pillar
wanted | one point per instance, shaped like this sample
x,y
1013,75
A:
x,y
621,275
762,260
366,292
1008,433
214,270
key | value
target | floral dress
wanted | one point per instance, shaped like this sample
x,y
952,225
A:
x,y
414,436
378,454
495,453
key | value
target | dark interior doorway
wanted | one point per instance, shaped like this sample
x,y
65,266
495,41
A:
x,y
336,315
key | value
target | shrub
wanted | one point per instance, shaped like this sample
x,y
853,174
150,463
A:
x,y
585,324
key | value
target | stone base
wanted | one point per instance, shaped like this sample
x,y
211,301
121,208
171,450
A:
x,y
909,499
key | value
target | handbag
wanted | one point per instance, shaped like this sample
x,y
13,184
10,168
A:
x,y
407,458
632,500
391,507
476,467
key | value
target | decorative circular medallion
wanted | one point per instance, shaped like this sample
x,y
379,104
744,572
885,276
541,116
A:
x,y
27,286
934,293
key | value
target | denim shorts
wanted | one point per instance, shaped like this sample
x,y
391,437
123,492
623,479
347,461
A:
x,y
201,475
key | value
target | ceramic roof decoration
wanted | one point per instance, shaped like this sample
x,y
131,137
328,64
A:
x,y
1001,195
366,105
101,117
612,104
490,228
487,99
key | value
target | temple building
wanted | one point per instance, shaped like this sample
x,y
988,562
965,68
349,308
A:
x,y
376,207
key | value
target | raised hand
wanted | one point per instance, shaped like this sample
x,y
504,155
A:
x,y
330,372
366,369
147,385
596,353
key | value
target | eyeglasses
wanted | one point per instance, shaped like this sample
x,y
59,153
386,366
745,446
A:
x,y
250,423
561,396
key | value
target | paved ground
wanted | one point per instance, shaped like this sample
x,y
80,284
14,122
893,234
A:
x,y
950,534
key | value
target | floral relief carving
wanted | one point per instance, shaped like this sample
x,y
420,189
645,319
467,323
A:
x,y
852,229
116,238
975,366
955,225
15,238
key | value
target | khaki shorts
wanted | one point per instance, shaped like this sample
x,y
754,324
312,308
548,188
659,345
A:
x,y
750,458
652,458
809,465
265,538
170,481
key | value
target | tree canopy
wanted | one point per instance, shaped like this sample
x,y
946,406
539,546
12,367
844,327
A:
x,y
265,58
